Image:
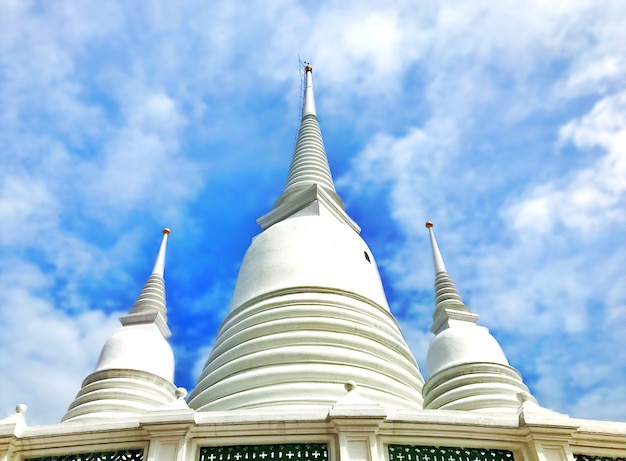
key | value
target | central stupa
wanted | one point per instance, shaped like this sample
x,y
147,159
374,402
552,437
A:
x,y
309,312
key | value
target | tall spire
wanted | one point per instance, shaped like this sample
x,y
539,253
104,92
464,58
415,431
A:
x,y
135,370
309,100
309,164
152,296
446,294
437,258
467,367
159,264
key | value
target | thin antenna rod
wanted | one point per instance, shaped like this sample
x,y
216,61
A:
x,y
301,67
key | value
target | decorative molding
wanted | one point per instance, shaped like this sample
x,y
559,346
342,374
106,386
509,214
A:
x,y
302,199
596,458
424,453
286,452
120,455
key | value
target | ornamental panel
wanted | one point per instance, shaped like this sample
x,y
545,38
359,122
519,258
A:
x,y
418,453
596,458
283,452
120,455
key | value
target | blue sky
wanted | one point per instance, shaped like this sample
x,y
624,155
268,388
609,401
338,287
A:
x,y
504,123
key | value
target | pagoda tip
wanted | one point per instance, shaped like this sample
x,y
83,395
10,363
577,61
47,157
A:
x,y
437,259
159,264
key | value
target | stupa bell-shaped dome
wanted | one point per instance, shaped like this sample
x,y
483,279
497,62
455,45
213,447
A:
x,y
309,311
466,366
135,370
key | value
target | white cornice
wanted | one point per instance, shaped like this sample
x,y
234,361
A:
x,y
301,200
146,317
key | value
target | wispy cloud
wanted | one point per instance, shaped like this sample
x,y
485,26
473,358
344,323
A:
x,y
503,123
530,230
45,351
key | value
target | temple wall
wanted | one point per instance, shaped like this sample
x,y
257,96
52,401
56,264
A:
x,y
345,434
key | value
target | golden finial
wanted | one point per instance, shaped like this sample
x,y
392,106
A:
x,y
308,68
429,224
166,231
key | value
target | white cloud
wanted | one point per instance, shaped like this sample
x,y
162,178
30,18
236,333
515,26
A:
x,y
596,77
142,165
592,197
27,208
363,52
45,352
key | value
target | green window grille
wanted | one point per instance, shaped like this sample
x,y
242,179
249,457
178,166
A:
x,y
286,452
596,458
120,455
418,453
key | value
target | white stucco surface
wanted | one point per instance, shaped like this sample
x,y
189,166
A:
x,y
138,347
309,313
309,251
463,344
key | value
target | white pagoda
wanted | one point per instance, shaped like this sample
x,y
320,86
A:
x,y
309,364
